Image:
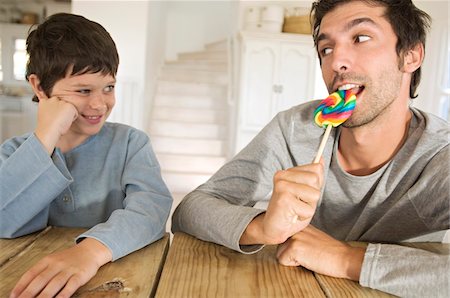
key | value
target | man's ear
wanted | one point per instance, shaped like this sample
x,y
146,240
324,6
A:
x,y
413,58
36,86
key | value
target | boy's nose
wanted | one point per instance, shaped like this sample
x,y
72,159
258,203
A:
x,y
97,102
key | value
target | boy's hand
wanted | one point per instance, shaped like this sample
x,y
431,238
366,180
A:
x,y
55,116
296,192
60,274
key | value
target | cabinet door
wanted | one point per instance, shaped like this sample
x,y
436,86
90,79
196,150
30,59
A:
x,y
297,65
259,63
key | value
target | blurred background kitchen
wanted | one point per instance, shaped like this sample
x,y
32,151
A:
x,y
201,77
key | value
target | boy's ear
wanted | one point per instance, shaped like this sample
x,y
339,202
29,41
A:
x,y
413,58
36,86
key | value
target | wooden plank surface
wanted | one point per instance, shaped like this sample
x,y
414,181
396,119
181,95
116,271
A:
x,y
11,247
340,287
196,268
135,275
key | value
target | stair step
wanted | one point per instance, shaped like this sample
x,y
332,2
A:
x,y
187,146
213,66
219,55
189,101
187,130
183,182
199,76
221,45
197,89
190,163
193,115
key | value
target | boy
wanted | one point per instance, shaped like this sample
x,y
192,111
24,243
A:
x,y
75,169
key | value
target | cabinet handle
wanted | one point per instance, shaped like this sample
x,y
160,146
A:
x,y
277,88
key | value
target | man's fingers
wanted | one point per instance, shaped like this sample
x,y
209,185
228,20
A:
x,y
309,174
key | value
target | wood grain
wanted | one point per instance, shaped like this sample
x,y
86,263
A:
x,y
138,272
196,268
340,287
11,247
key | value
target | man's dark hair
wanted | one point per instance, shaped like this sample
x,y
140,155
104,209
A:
x,y
409,23
67,41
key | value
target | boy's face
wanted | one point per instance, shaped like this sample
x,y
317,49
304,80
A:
x,y
357,46
92,94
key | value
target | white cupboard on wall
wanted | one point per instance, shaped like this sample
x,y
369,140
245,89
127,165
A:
x,y
277,72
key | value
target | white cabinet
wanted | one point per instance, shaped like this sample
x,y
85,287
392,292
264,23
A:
x,y
277,71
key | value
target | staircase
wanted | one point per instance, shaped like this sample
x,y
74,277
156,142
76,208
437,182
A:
x,y
188,127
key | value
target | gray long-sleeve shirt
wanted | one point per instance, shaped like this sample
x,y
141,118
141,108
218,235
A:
x,y
111,183
406,198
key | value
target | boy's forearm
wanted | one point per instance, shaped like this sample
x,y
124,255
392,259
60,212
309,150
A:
x,y
100,253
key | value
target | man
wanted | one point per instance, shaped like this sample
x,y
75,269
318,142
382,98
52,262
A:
x,y
384,177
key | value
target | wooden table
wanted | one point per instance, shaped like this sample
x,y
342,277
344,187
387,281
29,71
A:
x,y
196,268
135,275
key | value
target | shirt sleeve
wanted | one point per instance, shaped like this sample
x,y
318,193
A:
x,y
147,203
220,210
30,180
406,271
412,272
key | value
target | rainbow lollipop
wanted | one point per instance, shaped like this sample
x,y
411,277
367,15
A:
x,y
333,111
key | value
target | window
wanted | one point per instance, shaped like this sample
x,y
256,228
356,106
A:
x,y
20,58
1,69
13,55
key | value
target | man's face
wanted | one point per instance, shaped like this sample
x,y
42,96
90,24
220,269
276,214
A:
x,y
357,49
92,94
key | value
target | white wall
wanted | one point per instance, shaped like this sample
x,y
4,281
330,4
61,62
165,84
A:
x,y
192,24
436,62
135,27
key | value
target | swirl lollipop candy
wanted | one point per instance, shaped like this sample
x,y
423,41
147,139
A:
x,y
332,112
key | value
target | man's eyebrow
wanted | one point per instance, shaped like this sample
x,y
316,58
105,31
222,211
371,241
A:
x,y
349,26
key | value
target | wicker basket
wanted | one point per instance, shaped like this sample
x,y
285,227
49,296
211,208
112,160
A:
x,y
297,24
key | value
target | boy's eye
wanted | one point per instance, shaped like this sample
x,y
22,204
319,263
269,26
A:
x,y
109,88
84,91
362,38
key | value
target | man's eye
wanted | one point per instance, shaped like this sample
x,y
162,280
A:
x,y
362,38
326,51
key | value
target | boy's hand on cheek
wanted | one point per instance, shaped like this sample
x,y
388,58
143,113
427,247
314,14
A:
x,y
63,272
55,117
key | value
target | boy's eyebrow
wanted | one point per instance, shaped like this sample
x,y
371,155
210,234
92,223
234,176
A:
x,y
349,26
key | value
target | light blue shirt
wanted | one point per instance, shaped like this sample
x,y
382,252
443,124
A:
x,y
111,184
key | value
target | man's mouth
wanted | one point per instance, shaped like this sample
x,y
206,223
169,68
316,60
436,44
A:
x,y
353,88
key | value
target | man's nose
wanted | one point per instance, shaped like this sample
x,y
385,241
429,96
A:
x,y
341,59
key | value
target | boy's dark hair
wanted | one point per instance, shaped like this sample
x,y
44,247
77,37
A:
x,y
67,41
409,23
